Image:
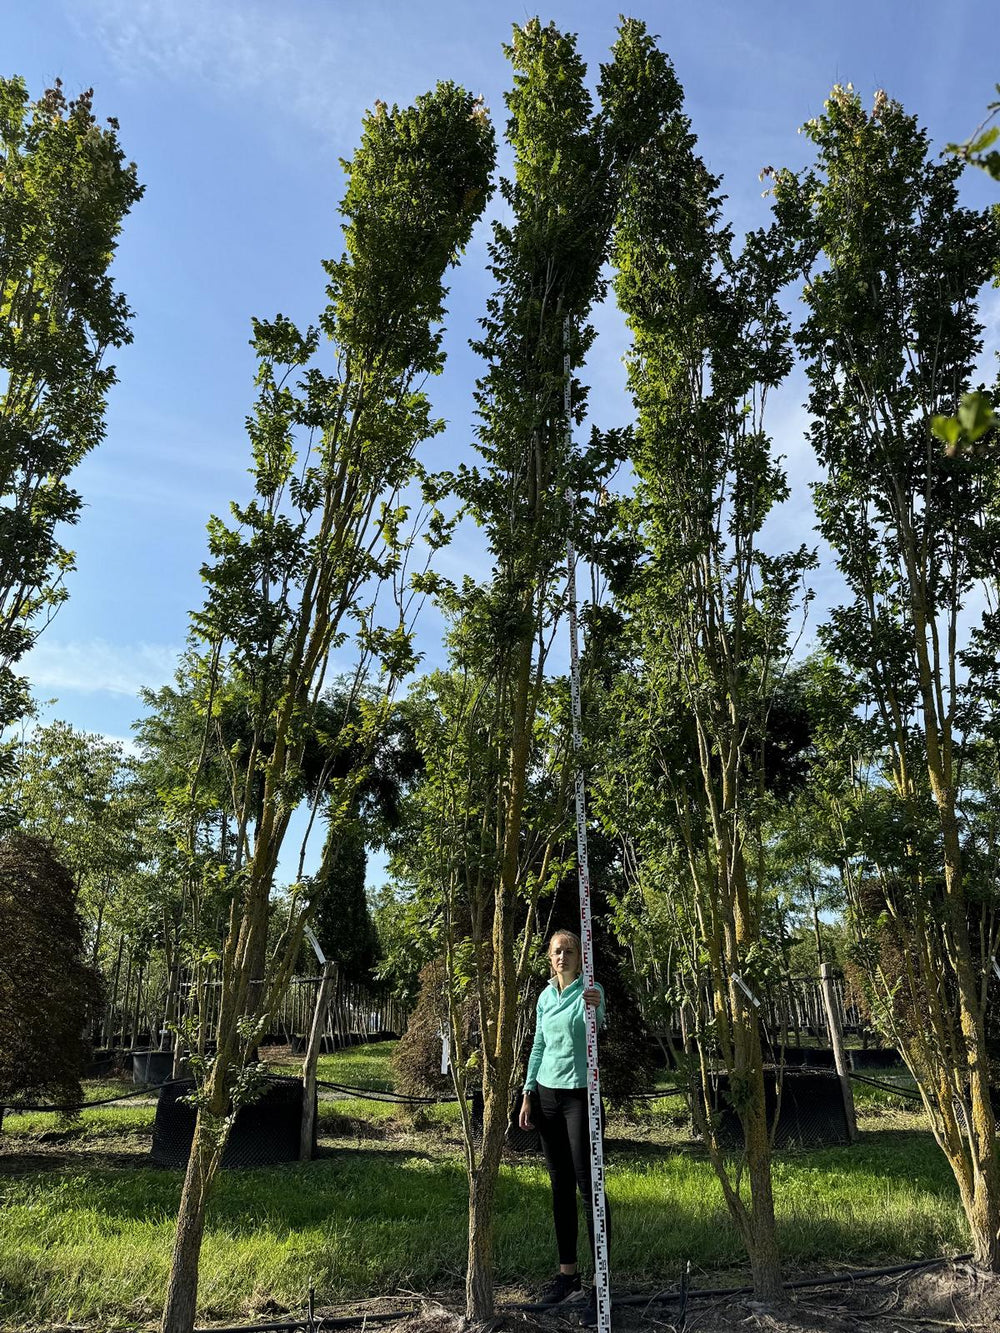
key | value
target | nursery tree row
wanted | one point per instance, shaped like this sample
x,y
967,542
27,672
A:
x,y
752,771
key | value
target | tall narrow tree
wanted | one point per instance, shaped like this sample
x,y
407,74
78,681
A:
x,y
570,165
66,190
710,609
320,540
892,266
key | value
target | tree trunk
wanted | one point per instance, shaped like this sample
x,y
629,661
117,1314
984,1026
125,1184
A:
x,y
984,1224
97,934
169,1007
762,1245
109,1032
126,1002
137,1011
839,1055
182,1286
482,1192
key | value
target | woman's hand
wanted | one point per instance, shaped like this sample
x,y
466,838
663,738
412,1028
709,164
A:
x,y
524,1119
592,997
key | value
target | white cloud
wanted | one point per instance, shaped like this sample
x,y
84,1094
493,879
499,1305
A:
x,y
95,665
304,65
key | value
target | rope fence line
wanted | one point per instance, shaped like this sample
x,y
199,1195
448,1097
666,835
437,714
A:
x,y
897,1088
21,1108
349,1090
360,1092
353,1090
654,1096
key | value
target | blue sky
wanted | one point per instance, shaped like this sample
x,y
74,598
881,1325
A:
x,y
237,113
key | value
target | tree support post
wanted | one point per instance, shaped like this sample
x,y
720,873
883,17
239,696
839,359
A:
x,y
837,1042
310,1062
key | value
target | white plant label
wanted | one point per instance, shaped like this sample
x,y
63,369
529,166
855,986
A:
x,y
320,955
445,1050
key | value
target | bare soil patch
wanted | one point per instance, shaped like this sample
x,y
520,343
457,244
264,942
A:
x,y
118,1154
951,1297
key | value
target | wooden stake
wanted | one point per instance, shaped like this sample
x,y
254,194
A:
x,y
310,1061
837,1042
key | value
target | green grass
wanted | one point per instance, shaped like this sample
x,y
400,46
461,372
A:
x,y
122,1119
383,1208
364,1066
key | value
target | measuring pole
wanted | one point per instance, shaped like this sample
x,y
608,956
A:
x,y
601,1275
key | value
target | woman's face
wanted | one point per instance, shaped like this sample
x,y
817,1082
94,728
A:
x,y
564,957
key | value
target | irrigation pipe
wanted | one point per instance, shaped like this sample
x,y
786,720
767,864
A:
x,y
360,1092
797,1284
306,1325
303,1325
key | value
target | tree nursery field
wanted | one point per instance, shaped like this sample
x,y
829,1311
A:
x,y
87,1221
640,746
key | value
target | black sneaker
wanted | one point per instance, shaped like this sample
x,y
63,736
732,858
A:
x,y
561,1286
588,1315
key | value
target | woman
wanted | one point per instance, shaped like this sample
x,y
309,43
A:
x,y
557,1075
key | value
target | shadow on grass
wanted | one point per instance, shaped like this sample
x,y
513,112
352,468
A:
x,y
360,1217
339,1185
634,1150
28,1163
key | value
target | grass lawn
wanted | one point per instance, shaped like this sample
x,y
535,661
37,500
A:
x,y
383,1209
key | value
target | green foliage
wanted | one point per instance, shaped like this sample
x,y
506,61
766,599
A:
x,y
890,339
965,430
892,268
78,794
570,167
318,557
699,749
66,190
709,732
979,148
342,921
332,455
47,991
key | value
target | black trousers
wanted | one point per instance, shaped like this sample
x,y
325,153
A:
x,y
565,1133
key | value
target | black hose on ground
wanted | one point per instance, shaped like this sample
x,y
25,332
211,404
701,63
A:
x,y
797,1284
658,1298
306,1326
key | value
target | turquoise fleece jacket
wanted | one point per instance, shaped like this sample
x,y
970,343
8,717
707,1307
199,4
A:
x,y
559,1052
